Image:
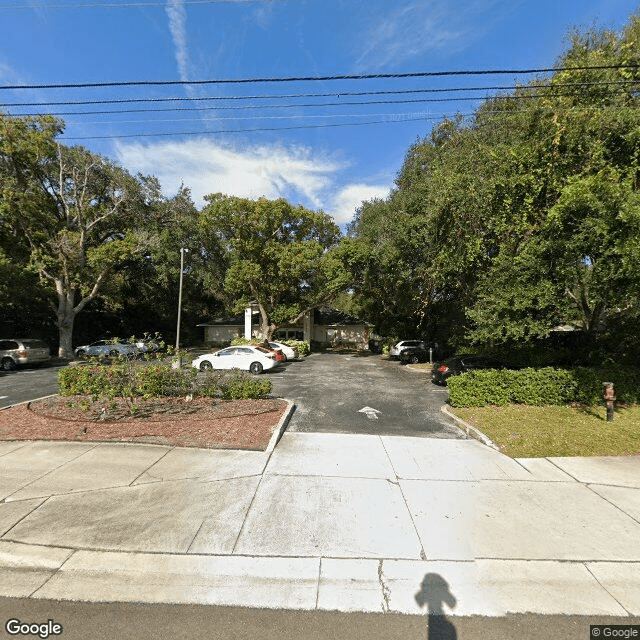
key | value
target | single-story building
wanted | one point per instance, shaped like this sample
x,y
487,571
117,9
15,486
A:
x,y
322,326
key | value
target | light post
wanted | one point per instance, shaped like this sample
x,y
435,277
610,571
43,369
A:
x,y
178,363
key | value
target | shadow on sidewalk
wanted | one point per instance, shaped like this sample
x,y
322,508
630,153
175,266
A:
x,y
434,592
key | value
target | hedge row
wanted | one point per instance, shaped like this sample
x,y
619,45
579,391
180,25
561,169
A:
x,y
545,386
130,380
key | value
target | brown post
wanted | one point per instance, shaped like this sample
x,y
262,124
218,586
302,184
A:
x,y
609,397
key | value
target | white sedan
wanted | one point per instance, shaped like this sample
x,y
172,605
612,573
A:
x,y
254,359
289,353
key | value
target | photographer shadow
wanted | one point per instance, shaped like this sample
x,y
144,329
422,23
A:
x,y
434,592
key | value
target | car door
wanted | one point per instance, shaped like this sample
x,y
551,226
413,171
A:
x,y
226,359
244,357
97,348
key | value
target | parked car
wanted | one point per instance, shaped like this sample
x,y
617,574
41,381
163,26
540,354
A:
x,y
22,351
106,348
288,352
394,352
254,359
413,355
459,364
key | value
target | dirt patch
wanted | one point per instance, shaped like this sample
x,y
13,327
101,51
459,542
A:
x,y
201,422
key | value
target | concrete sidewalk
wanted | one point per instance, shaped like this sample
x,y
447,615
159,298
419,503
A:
x,y
327,521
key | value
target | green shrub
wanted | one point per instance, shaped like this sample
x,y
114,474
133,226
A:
x,y
545,386
301,346
239,341
240,385
158,380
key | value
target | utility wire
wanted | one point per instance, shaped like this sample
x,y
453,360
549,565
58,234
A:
x,y
306,105
190,133
398,120
336,94
366,76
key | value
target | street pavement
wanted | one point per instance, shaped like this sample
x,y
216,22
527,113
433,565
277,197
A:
x,y
326,522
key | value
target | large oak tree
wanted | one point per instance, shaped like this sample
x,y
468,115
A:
x,y
281,257
71,209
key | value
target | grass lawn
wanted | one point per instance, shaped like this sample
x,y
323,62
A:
x,y
534,432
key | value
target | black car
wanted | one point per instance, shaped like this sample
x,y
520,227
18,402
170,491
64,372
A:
x,y
459,364
413,355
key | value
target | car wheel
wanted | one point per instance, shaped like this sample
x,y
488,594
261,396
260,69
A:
x,y
7,364
80,353
255,367
414,360
205,365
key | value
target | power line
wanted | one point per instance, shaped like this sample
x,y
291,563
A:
x,y
306,105
399,118
259,129
335,94
366,76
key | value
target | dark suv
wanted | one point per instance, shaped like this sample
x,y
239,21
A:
x,y
22,351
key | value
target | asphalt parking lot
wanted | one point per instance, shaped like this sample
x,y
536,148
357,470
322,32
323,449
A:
x,y
333,393
29,382
341,393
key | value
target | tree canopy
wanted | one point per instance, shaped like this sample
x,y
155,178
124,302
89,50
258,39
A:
x,y
522,218
280,257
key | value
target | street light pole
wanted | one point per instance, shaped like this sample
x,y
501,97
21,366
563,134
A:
x,y
182,252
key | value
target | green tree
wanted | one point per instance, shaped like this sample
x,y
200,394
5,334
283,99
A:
x,y
527,214
280,257
72,208
145,294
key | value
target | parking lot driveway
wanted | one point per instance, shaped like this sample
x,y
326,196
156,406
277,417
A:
x,y
331,390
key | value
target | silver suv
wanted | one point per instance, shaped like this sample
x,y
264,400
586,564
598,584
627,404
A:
x,y
22,351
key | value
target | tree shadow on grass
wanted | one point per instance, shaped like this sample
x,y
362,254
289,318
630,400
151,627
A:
x,y
592,411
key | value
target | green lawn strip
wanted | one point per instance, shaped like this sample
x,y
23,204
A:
x,y
535,432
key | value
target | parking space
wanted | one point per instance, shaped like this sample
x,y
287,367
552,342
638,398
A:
x,y
365,394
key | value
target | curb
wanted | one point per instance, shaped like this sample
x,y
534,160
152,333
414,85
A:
x,y
17,404
411,368
469,429
280,428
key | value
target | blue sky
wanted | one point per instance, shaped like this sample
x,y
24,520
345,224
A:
x,y
318,150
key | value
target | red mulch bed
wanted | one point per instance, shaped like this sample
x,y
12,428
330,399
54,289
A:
x,y
201,422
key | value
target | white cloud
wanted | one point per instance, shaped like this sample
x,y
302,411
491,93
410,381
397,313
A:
x,y
275,171
350,197
207,167
178,26
438,25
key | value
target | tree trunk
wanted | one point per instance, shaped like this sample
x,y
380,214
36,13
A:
x,y
65,330
266,329
66,315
